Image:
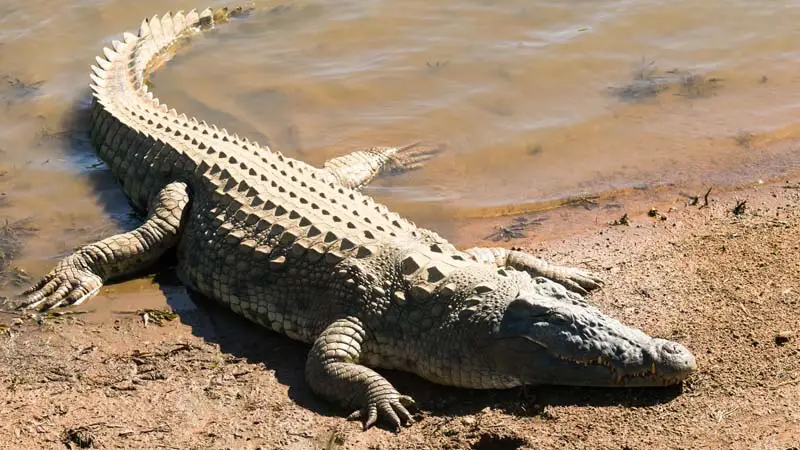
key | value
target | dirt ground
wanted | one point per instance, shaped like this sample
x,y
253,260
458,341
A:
x,y
726,285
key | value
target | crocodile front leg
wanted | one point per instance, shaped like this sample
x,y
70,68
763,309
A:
x,y
355,170
572,278
81,274
333,371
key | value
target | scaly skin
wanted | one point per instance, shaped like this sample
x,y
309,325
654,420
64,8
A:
x,y
300,250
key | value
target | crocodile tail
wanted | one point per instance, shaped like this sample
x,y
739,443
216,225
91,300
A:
x,y
119,80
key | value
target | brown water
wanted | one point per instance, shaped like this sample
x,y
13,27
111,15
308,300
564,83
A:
x,y
536,100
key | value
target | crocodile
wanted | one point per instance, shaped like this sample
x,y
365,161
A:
x,y
301,250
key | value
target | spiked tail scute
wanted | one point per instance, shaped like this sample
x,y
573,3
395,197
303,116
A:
x,y
119,80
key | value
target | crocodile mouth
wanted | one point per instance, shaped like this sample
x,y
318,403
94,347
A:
x,y
625,377
657,362
654,363
546,341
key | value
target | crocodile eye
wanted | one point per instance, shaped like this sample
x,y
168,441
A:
x,y
561,319
523,307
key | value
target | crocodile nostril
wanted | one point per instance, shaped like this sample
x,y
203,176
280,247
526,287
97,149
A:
x,y
673,348
674,357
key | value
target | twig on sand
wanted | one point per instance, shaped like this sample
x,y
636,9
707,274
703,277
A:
x,y
786,383
740,207
705,198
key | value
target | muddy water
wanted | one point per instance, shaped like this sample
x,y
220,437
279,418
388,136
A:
x,y
536,101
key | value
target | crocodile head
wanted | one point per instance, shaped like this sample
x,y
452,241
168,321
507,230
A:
x,y
543,339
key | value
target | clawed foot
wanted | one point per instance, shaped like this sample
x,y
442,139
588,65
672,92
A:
x,y
70,283
389,405
411,157
576,280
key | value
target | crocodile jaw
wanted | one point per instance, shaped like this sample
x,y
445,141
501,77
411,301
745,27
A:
x,y
542,340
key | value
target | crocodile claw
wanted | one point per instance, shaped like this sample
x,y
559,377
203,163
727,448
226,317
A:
x,y
411,157
67,284
388,405
577,280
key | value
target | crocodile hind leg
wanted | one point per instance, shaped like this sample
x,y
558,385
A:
x,y
333,371
355,170
81,274
572,278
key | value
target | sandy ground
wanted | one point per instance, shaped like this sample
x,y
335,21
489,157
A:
x,y
726,286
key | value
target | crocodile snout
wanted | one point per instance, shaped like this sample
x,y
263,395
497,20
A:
x,y
673,361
